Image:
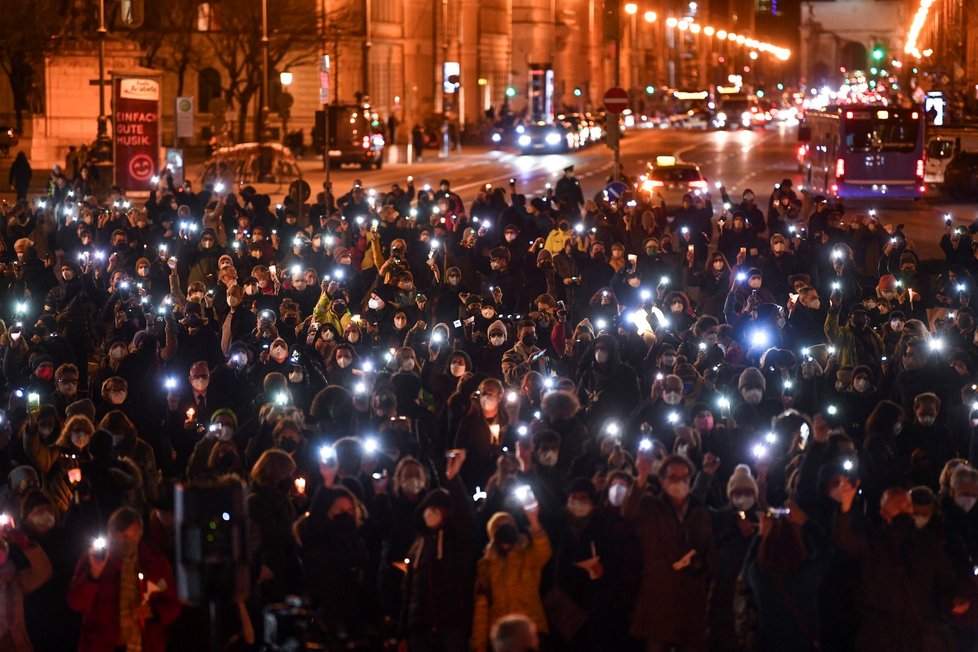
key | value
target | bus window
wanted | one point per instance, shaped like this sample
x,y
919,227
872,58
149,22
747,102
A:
x,y
892,135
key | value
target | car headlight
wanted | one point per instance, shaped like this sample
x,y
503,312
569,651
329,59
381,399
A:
x,y
745,116
553,138
722,117
520,129
524,141
496,138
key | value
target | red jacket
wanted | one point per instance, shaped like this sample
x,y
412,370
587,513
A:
x,y
98,602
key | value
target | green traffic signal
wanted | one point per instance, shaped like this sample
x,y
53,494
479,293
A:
x,y
878,54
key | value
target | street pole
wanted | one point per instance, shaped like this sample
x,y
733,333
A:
x,y
102,139
264,71
617,124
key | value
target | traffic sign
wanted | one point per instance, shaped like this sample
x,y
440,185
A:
x,y
615,190
616,99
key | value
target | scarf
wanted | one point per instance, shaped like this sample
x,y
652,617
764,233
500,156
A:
x,y
129,599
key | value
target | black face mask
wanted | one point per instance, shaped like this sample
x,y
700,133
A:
x,y
564,226
902,524
859,322
507,535
343,523
528,340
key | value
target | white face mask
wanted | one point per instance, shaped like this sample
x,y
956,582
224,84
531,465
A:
x,y
233,302
200,384
672,398
896,325
815,305
488,403
343,361
927,419
278,353
497,341
742,503
752,396
80,438
296,376
457,370
413,486
616,494
548,458
861,385
407,365
117,352
601,356
373,304
966,503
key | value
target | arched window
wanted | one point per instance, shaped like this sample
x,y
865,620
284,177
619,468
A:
x,y
208,88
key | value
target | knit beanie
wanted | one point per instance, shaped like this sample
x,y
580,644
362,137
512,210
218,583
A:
x,y
741,479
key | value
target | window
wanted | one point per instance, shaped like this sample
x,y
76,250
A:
x,y
205,18
208,88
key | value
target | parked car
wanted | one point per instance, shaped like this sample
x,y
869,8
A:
x,y
961,175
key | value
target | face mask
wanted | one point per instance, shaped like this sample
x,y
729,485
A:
x,y
488,403
510,237
578,508
920,522
927,420
601,356
752,396
861,385
200,384
400,324
80,438
67,275
677,490
651,251
896,325
528,340
117,352
373,304
548,458
288,445
616,494
233,302
413,486
966,503
343,361
44,373
45,430
672,398
815,305
743,503
42,522
407,365
507,535
433,518
278,353
457,370
296,376
497,341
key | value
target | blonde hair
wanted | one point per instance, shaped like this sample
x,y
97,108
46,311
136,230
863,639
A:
x,y
274,466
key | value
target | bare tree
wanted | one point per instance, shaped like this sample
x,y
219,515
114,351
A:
x,y
237,46
166,38
29,33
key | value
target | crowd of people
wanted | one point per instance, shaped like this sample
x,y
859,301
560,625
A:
x,y
555,422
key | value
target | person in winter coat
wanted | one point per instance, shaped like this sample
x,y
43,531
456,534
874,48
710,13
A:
x,y
482,433
273,514
855,343
125,592
903,604
54,461
607,387
20,176
508,575
437,602
524,356
678,557
17,580
783,569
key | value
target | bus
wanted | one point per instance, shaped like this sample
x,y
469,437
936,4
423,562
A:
x,y
864,151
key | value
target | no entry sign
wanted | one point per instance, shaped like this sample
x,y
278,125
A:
x,y
616,99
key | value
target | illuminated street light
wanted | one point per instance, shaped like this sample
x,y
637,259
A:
x,y
708,30
631,8
285,77
753,55
671,21
694,28
650,16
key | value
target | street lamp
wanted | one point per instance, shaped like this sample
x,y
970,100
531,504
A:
x,y
285,78
631,8
650,16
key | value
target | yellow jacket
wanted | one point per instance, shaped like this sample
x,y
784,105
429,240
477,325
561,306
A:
x,y
510,584
322,314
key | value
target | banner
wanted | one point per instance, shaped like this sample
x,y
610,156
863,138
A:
x,y
136,131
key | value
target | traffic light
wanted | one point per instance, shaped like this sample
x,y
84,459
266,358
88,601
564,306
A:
x,y
578,92
878,53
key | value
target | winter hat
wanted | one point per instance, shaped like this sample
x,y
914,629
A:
x,y
34,498
584,324
498,327
887,282
741,479
22,477
754,271
751,377
84,407
538,203
143,261
559,405
225,261
225,412
38,359
907,258
496,521
585,486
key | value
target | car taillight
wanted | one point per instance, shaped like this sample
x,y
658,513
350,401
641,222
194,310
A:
x,y
802,150
920,169
366,142
699,184
840,168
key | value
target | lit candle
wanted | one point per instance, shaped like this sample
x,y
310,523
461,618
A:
x,y
494,431
300,485
191,413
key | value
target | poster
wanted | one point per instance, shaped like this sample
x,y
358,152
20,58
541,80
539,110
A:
x,y
136,131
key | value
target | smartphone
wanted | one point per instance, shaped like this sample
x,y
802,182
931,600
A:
x,y
539,354
632,258
33,403
453,453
